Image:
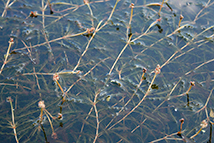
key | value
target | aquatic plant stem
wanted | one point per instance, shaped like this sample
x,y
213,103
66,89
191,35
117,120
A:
x,y
82,77
86,48
59,17
200,66
192,83
37,81
60,86
121,52
150,26
181,125
5,8
206,6
130,20
166,137
54,40
92,16
160,7
73,35
175,31
196,133
203,125
156,71
49,114
138,86
13,125
41,115
96,30
109,18
56,78
86,118
54,135
168,95
179,23
51,57
97,117
206,101
7,54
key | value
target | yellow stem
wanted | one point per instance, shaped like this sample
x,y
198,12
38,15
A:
x,y
189,89
196,133
49,121
60,86
160,7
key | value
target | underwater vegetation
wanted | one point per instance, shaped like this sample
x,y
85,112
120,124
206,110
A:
x,y
106,71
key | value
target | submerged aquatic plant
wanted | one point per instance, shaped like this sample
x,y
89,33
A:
x,y
106,71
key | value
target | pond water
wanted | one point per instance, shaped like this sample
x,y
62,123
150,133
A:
x,y
86,61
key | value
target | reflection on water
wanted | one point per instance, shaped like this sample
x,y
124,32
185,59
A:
x,y
93,66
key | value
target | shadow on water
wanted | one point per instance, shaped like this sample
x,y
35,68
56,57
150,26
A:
x,y
106,71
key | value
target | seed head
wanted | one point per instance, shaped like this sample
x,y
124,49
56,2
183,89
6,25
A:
x,y
54,135
33,14
204,124
192,83
89,31
41,104
11,40
131,6
55,77
181,17
157,69
9,99
85,1
181,120
60,117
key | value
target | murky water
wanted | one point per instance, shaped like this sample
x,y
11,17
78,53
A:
x,y
99,55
